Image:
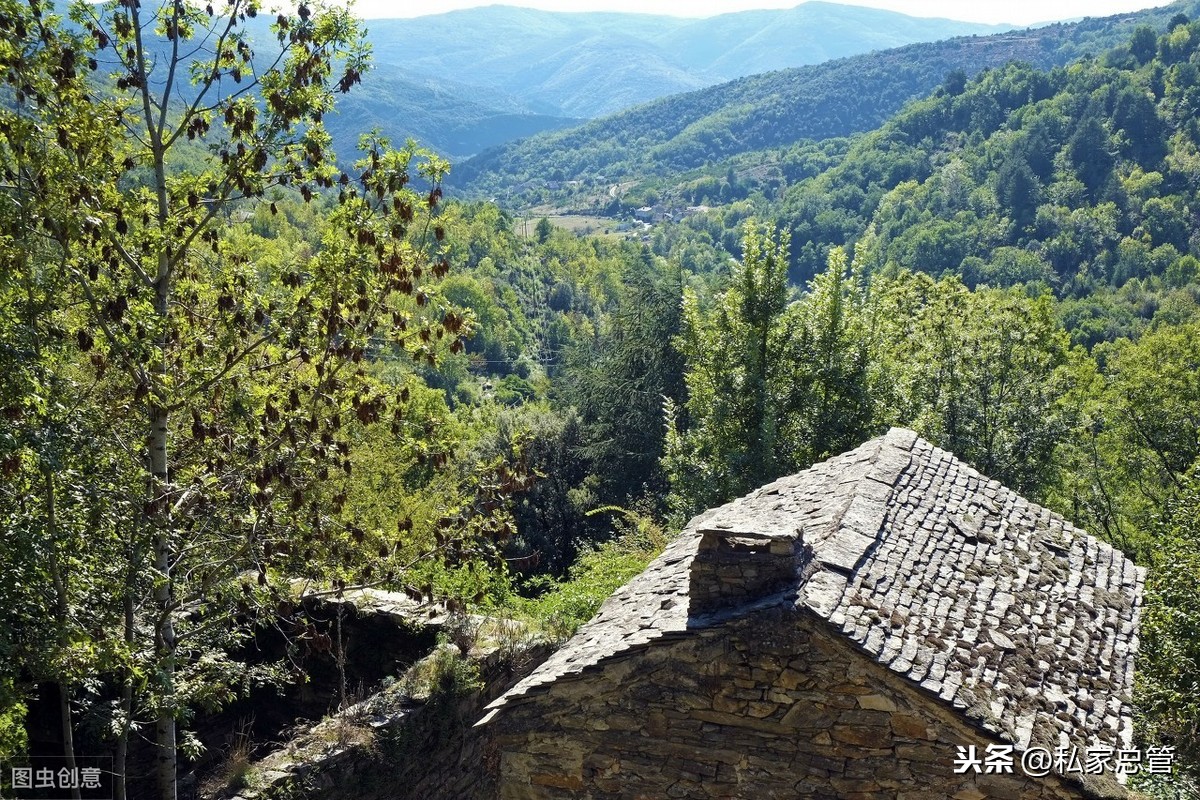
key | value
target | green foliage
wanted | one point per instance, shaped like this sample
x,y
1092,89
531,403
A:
x,y
1023,293
1168,695
619,380
772,386
599,571
550,516
444,675
983,374
188,396
543,230
836,98
736,363
1141,436
13,736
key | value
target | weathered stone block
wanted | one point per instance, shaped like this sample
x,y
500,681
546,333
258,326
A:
x,y
727,705
791,679
917,752
847,786
876,702
761,710
574,782
739,721
862,736
806,716
1000,787
849,688
912,727
864,718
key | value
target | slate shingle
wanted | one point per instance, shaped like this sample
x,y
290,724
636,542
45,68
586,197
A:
x,y
999,607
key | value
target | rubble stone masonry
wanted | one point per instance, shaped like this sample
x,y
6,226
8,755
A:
x,y
767,706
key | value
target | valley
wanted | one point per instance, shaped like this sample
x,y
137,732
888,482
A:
x,y
249,379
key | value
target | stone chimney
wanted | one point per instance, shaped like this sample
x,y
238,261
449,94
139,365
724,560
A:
x,y
734,568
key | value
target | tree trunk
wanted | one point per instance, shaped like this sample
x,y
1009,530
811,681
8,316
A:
x,y
120,757
164,635
341,658
62,617
68,733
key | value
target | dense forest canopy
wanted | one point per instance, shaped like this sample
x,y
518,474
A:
x,y
229,362
776,109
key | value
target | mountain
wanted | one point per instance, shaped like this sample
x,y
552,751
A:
x,y
454,119
837,98
1080,179
587,64
560,63
734,45
465,81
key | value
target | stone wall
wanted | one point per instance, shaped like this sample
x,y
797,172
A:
x,y
393,748
769,706
732,569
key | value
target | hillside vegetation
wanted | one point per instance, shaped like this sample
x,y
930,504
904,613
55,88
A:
x,y
515,72
838,98
587,64
227,365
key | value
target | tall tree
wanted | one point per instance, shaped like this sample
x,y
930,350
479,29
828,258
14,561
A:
x,y
1169,657
831,387
773,386
1137,453
736,359
620,379
982,374
235,386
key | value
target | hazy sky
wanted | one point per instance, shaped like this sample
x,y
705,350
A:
x,y
1021,12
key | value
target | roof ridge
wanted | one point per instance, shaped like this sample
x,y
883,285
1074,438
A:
x,y
851,533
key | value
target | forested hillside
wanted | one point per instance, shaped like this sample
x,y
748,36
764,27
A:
x,y
587,64
837,98
455,118
514,72
230,365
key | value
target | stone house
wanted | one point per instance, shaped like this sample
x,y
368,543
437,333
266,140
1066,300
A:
x,y
841,633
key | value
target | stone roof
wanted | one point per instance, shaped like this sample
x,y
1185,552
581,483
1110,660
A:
x,y
1001,608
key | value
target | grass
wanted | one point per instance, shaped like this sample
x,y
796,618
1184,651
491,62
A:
x,y
236,771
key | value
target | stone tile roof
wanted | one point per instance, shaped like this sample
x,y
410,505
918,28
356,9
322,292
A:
x,y
997,606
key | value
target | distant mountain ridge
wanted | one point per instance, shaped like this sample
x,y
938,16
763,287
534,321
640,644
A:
x,y
836,98
453,118
520,71
564,63
466,81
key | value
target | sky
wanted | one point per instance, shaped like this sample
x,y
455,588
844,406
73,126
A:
x,y
1018,12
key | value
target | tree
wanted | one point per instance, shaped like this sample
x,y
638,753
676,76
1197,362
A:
x,y
831,388
1143,43
955,82
58,551
1089,151
772,386
1169,656
979,373
551,515
1147,433
234,388
735,352
619,381
543,229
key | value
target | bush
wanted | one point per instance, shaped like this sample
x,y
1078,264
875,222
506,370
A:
x,y
596,573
